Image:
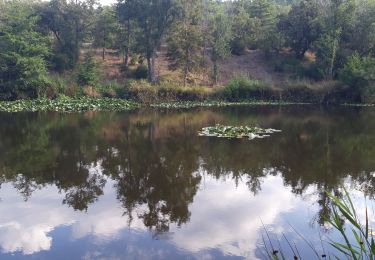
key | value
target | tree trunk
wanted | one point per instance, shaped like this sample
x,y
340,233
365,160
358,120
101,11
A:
x,y
186,71
333,58
151,67
126,58
127,47
153,72
103,53
216,72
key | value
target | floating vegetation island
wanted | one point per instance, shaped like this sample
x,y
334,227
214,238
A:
x,y
237,132
68,105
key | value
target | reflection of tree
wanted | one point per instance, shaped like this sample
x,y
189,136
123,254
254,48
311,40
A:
x,y
158,174
87,192
154,158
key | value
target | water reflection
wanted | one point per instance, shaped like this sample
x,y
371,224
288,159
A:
x,y
100,176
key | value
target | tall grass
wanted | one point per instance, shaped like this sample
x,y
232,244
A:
x,y
357,235
343,210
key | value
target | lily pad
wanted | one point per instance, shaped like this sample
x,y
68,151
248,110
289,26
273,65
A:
x,y
250,132
67,105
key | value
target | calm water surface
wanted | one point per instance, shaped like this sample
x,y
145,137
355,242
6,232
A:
x,y
143,185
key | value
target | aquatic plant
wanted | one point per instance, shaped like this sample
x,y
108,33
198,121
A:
x,y
236,132
193,104
68,105
342,211
358,237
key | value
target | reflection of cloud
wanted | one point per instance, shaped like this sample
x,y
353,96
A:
x,y
14,237
229,219
25,226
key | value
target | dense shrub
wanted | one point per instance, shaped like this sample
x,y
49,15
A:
x,y
143,91
241,88
359,73
23,52
88,72
112,89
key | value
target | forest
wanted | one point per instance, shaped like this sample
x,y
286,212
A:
x,y
150,51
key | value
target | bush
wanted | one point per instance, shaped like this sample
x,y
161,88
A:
x,y
112,89
141,72
88,72
241,88
359,73
143,91
23,51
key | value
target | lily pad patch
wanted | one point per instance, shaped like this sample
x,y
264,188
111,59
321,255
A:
x,y
249,132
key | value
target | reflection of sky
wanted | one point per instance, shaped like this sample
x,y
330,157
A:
x,y
225,221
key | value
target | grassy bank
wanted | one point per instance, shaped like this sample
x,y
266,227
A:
x,y
240,91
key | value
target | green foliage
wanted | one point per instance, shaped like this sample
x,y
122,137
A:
x,y
70,23
241,29
185,39
302,26
264,20
362,38
338,21
242,88
88,72
359,72
107,29
221,36
23,52
342,209
142,91
153,18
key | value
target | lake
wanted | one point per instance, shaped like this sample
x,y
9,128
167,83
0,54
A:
x,y
144,185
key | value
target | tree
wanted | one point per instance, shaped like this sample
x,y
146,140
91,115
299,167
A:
x,y
302,26
106,29
70,22
153,18
241,29
362,37
185,39
23,52
220,40
338,19
126,13
359,72
264,21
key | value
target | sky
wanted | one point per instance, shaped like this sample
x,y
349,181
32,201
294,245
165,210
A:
x,y
107,2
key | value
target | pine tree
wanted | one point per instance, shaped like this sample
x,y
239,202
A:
x,y
185,39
